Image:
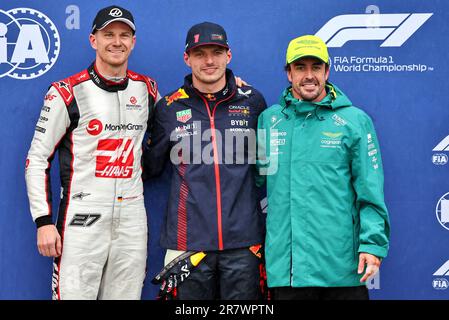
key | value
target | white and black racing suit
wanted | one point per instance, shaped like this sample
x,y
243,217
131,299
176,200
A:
x,y
97,126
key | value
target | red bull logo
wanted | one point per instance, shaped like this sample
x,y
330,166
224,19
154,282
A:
x,y
180,94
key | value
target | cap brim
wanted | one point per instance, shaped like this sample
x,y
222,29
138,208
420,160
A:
x,y
128,22
207,44
308,56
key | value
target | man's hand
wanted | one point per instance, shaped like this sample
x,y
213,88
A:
x,y
49,241
372,265
240,83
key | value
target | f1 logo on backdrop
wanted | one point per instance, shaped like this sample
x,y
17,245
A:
x,y
115,158
441,283
441,158
395,28
29,43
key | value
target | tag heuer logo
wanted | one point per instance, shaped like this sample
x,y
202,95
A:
x,y
184,115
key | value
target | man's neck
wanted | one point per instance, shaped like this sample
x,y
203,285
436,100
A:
x,y
106,70
209,87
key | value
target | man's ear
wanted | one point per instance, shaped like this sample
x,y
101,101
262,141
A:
x,y
187,59
327,72
134,42
229,56
93,41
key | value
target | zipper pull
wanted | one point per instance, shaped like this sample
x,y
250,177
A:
x,y
307,116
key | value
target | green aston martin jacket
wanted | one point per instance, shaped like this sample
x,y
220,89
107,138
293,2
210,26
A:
x,y
325,194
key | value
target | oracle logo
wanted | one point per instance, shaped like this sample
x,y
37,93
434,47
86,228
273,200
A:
x,y
94,127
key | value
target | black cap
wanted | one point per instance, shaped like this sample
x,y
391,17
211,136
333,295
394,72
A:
x,y
110,14
206,33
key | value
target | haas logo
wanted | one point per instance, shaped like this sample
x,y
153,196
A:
x,y
115,158
94,127
116,12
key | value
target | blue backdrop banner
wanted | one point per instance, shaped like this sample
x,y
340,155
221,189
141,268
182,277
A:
x,y
387,56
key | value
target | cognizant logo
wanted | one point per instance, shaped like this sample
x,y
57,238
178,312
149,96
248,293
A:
x,y
29,43
394,28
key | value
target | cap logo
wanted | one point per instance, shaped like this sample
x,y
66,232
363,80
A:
x,y
307,42
116,12
216,36
197,38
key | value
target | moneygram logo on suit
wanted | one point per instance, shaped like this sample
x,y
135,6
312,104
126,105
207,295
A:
x,y
30,42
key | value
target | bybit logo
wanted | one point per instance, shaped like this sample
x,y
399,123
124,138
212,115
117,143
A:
x,y
395,28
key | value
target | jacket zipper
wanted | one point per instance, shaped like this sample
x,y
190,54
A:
x,y
291,230
216,165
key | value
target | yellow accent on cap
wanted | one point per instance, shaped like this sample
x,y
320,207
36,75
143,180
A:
x,y
307,46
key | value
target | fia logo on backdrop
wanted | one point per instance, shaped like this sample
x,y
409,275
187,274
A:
x,y
29,43
442,211
440,281
440,158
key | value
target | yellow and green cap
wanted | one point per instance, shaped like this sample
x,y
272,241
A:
x,y
307,46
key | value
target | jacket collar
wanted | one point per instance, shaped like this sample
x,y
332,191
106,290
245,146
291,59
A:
x,y
334,99
105,84
230,85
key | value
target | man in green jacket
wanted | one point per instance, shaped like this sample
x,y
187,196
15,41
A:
x,y
327,223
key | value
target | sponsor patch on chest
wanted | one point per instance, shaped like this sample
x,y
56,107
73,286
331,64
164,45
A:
x,y
331,139
184,115
244,111
114,158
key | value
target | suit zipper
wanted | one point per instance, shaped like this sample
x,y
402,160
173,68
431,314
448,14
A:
x,y
216,164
